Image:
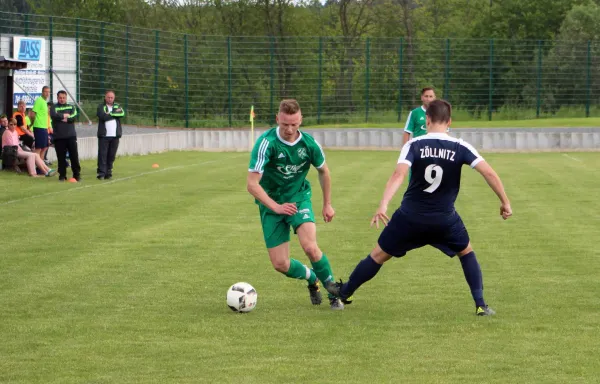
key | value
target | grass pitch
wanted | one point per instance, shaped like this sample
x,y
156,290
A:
x,y
125,281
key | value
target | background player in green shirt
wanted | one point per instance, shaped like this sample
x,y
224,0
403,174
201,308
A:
x,y
415,123
280,161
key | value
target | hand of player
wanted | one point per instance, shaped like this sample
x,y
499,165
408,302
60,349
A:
x,y
328,213
505,211
380,215
288,209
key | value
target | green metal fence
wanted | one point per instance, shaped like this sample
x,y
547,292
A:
x,y
170,79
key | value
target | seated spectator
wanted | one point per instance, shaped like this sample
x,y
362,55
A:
x,y
3,127
3,123
23,124
10,140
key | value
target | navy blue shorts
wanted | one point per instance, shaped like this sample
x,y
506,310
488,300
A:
x,y
41,138
402,234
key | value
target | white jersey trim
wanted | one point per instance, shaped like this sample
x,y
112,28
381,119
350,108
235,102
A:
x,y
404,153
322,154
260,157
407,122
287,142
476,161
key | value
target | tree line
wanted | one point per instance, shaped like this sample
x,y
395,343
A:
x,y
544,52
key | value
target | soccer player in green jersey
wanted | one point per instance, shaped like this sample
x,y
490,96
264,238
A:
x,y
280,161
416,122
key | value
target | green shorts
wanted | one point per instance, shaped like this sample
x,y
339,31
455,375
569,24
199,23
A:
x,y
276,228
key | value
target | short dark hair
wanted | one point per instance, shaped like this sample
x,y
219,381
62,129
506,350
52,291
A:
x,y
61,92
289,106
45,87
3,116
109,91
427,89
439,111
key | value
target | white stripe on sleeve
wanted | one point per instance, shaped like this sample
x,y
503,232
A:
x,y
322,154
407,122
478,158
260,162
404,153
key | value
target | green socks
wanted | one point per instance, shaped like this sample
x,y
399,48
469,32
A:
x,y
300,271
323,269
320,269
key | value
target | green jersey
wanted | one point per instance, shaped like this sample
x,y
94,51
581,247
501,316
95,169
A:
x,y
284,165
415,123
40,107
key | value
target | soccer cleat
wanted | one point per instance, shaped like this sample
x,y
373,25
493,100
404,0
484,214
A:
x,y
336,290
333,287
484,311
315,293
336,304
347,300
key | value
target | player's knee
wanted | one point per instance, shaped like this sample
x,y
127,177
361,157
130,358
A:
x,y
465,251
281,266
312,251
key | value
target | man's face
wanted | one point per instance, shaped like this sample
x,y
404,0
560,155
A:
x,y
289,125
427,98
109,98
46,93
4,122
62,98
21,107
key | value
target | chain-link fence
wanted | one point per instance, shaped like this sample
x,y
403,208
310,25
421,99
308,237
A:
x,y
172,79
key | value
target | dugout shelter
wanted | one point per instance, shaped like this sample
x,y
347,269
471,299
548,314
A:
x,y
7,68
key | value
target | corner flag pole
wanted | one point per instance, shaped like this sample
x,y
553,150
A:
x,y
251,126
72,98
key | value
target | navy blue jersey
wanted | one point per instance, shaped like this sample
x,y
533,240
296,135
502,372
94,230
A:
x,y
436,160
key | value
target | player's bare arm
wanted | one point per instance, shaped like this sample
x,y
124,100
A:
x,y
325,181
259,193
405,138
392,186
493,180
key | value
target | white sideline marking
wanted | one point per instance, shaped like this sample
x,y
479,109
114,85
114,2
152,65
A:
x,y
115,180
572,158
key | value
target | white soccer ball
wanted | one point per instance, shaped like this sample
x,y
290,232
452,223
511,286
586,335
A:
x,y
241,297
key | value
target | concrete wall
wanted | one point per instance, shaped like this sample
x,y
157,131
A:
x,y
486,140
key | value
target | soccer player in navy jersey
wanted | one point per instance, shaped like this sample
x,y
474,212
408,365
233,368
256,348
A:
x,y
427,215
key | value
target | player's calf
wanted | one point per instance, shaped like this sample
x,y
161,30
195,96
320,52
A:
x,y
472,272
